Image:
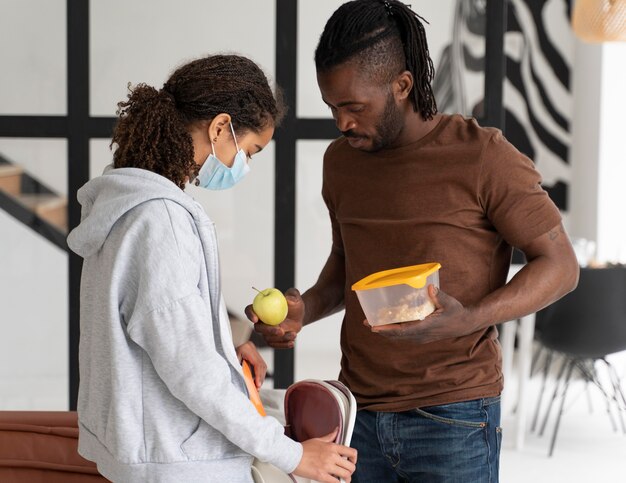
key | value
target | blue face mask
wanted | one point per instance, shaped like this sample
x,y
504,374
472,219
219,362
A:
x,y
215,175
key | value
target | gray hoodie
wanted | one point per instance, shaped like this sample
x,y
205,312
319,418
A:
x,y
162,396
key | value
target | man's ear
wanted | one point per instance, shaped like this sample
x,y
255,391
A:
x,y
218,125
402,85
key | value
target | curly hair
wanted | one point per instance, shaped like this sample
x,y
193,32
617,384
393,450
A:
x,y
152,131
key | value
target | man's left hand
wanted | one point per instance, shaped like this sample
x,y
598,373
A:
x,y
450,319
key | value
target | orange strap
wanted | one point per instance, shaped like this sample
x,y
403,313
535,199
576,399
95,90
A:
x,y
254,394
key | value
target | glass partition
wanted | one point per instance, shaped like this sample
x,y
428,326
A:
x,y
317,353
33,57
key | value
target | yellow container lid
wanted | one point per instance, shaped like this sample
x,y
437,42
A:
x,y
415,276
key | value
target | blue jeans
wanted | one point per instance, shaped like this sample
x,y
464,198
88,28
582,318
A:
x,y
451,443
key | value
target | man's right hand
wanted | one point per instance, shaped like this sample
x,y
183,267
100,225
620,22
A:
x,y
283,335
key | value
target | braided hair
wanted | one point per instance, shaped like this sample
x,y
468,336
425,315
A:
x,y
385,37
152,131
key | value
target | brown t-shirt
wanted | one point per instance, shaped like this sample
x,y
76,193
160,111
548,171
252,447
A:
x,y
461,196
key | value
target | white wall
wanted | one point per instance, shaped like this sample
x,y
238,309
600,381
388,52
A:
x,y
612,155
586,87
33,320
144,40
33,57
598,151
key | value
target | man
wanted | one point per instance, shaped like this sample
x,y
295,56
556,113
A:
x,y
406,185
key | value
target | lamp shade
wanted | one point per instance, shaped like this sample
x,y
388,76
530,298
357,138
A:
x,y
600,20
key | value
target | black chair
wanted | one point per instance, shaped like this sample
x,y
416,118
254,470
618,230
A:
x,y
584,327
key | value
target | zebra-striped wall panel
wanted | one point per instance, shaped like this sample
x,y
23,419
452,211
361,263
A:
x,y
537,97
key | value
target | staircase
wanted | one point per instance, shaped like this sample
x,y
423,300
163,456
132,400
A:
x,y
32,203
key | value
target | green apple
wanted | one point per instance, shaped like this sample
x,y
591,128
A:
x,y
270,305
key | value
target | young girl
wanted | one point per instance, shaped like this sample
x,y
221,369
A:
x,y
162,397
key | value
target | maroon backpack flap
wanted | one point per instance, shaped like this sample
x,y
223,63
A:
x,y
312,411
340,386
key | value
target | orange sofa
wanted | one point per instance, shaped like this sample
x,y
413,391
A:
x,y
41,447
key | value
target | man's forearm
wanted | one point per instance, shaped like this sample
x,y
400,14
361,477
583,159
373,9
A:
x,y
532,289
547,276
326,297
320,303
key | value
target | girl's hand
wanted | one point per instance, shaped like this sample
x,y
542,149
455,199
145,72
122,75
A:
x,y
249,352
323,460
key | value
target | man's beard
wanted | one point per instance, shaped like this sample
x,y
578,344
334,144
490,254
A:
x,y
388,127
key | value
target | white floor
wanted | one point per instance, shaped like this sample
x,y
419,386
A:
x,y
587,449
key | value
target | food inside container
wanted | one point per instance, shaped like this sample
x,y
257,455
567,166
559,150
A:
x,y
398,295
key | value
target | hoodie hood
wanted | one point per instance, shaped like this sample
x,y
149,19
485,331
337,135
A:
x,y
109,197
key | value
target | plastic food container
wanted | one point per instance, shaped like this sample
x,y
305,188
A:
x,y
398,295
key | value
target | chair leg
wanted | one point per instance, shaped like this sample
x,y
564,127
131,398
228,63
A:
x,y
621,400
556,389
546,370
590,375
589,403
588,379
617,392
537,354
570,367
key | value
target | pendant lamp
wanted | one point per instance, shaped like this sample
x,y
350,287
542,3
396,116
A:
x,y
600,20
